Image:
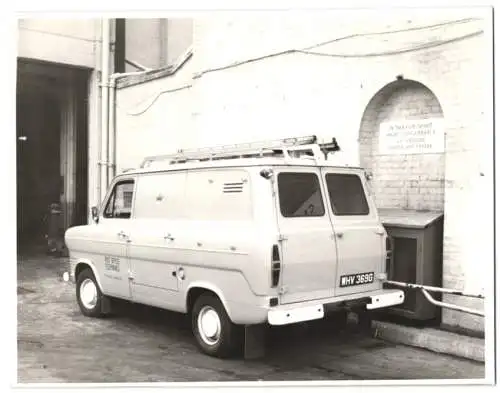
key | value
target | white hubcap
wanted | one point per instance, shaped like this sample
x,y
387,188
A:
x,y
209,325
88,293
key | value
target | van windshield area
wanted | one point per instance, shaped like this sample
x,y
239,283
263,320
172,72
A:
x,y
300,195
120,203
347,196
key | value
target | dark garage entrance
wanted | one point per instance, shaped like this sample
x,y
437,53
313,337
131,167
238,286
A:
x,y
52,139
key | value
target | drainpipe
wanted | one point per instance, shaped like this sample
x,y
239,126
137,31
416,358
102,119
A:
x,y
105,56
111,124
107,163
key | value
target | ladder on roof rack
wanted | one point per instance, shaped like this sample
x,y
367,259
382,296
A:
x,y
288,147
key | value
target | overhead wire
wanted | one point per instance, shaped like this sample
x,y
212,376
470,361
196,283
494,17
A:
x,y
155,98
307,51
407,29
397,51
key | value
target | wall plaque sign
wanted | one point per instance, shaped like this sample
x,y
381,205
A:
x,y
412,137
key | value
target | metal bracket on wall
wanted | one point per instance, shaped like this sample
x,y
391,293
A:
x,y
105,163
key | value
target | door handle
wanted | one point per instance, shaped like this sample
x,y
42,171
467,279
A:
x,y
122,234
179,273
168,237
340,235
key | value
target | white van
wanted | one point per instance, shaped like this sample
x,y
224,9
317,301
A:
x,y
237,236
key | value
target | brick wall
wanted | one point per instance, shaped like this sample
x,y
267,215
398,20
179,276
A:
x,y
412,181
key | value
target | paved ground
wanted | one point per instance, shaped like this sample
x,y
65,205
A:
x,y
141,344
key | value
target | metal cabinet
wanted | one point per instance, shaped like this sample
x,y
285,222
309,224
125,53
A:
x,y
417,257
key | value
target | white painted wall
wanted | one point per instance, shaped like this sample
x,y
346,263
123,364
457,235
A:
x,y
154,118
145,42
157,43
65,41
179,38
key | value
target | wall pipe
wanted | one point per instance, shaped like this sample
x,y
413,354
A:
x,y
105,58
451,306
140,67
111,115
111,129
107,161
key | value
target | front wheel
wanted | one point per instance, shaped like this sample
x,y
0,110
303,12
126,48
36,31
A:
x,y
88,294
214,332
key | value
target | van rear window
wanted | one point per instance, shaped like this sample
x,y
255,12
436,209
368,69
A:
x,y
300,195
347,196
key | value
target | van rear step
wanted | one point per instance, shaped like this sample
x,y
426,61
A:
x,y
347,304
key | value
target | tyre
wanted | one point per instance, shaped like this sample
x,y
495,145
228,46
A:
x,y
88,294
214,332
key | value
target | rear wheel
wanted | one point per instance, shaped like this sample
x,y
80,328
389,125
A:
x,y
88,294
214,332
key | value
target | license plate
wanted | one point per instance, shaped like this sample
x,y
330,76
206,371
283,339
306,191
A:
x,y
350,280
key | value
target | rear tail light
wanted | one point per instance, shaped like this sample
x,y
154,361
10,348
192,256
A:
x,y
388,254
275,266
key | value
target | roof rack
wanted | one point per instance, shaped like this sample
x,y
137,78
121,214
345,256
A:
x,y
295,147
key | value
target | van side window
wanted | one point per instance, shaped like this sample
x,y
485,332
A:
x,y
120,203
300,195
347,196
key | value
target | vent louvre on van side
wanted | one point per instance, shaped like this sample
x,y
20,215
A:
x,y
232,187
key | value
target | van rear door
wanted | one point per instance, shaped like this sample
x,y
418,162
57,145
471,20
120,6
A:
x,y
307,249
359,234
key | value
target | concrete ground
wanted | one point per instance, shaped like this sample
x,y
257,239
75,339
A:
x,y
142,344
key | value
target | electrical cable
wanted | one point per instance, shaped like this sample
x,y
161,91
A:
x,y
308,52
397,51
416,28
338,55
158,95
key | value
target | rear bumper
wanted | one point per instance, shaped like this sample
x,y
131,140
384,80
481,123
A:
x,y
308,311
388,298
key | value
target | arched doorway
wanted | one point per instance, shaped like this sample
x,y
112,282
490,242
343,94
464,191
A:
x,y
411,178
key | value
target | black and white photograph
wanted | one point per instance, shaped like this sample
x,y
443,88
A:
x,y
254,198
